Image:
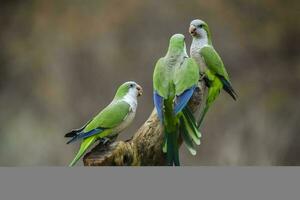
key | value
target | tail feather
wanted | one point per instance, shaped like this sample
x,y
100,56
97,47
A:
x,y
172,149
203,115
72,133
191,121
169,149
187,139
190,130
75,132
176,150
83,135
188,113
83,147
165,144
212,94
228,88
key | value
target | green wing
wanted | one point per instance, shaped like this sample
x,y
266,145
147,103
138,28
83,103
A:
x,y
213,61
110,117
186,75
161,78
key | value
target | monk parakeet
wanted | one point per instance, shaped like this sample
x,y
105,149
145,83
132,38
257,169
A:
x,y
110,121
210,63
174,79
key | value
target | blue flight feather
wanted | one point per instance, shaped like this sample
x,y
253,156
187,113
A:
x,y
183,99
83,135
158,102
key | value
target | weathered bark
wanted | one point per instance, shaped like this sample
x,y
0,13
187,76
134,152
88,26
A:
x,y
145,147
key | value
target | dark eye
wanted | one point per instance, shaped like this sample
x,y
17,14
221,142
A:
x,y
131,85
200,25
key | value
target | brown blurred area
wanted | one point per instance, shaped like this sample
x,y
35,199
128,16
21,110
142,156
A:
x,y
61,62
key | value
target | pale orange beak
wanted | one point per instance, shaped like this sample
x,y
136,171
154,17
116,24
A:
x,y
192,30
140,90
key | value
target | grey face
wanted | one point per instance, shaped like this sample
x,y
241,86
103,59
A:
x,y
135,88
198,28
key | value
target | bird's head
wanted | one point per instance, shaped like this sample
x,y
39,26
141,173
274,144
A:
x,y
177,43
131,88
199,29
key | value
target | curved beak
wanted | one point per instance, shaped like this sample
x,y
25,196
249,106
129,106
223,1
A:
x,y
192,30
140,90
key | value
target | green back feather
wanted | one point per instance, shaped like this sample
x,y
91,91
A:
x,y
109,117
213,61
162,78
186,75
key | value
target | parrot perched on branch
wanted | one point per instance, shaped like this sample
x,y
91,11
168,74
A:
x,y
210,63
110,121
174,79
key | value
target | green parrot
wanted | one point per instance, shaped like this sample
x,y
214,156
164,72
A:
x,y
110,121
175,78
210,63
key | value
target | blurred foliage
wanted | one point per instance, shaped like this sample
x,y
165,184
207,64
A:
x,y
61,61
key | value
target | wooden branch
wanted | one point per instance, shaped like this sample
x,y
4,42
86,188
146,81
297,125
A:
x,y
145,147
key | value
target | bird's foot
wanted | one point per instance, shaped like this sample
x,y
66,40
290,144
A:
x,y
105,141
202,76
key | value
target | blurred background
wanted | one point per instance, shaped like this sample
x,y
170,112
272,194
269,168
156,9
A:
x,y
61,62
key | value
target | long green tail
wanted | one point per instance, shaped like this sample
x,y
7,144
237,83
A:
x,y
213,92
189,131
172,148
171,133
86,143
189,117
188,141
203,113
